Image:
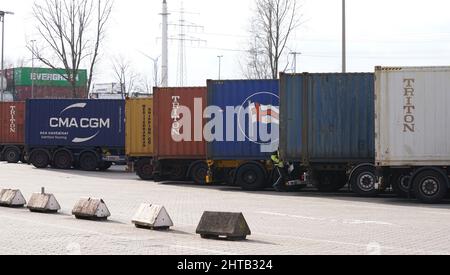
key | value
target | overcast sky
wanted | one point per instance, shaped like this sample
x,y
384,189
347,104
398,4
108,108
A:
x,y
381,32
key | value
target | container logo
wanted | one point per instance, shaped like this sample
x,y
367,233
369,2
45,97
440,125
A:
x,y
12,120
409,108
78,123
256,120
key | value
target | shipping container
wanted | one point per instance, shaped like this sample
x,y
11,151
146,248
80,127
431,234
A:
x,y
327,128
243,129
180,147
22,93
85,133
47,77
412,133
12,131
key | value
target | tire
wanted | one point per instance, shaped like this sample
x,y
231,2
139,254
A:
x,y
40,159
63,160
89,162
331,182
251,177
199,172
430,187
363,182
12,155
105,165
177,173
401,184
144,169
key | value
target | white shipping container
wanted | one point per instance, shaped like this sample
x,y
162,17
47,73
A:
x,y
412,116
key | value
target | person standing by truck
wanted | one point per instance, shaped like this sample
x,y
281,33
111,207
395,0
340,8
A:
x,y
280,172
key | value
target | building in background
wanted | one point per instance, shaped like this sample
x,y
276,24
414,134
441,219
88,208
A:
x,y
108,91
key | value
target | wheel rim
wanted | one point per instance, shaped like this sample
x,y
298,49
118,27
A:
x,y
147,169
89,162
366,182
200,174
250,177
11,155
41,159
63,160
430,187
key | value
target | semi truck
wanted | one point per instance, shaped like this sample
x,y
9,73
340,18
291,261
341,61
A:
x,y
83,134
412,133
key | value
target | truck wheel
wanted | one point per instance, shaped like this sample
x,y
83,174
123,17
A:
x,y
105,165
331,182
88,162
430,187
144,169
63,160
199,173
363,182
40,159
402,185
177,172
12,155
250,177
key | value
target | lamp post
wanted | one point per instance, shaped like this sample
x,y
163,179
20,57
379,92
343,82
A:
x,y
32,68
295,54
2,19
344,42
220,65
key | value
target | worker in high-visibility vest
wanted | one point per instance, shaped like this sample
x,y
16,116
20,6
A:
x,y
280,184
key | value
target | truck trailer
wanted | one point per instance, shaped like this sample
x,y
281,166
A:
x,y
327,129
412,131
84,134
12,131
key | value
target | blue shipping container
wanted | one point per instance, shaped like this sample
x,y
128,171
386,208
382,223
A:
x,y
327,118
75,123
244,120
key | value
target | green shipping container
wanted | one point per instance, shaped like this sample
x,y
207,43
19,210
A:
x,y
47,77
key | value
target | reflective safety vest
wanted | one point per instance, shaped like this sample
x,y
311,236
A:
x,y
276,160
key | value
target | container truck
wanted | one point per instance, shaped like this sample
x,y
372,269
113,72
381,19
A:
x,y
12,131
165,135
242,131
85,134
412,133
327,129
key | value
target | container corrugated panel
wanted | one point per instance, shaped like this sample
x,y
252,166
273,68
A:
x,y
22,93
75,123
12,123
412,116
250,119
139,125
327,118
172,108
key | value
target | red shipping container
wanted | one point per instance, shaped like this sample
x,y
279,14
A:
x,y
168,106
24,92
12,123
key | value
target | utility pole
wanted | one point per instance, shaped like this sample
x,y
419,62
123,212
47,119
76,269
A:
x,y
220,64
344,38
165,46
295,54
2,19
32,68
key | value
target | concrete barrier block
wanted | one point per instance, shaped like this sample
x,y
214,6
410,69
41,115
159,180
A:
x,y
12,198
91,209
215,225
43,203
153,217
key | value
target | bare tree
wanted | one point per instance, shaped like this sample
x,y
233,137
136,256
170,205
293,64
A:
x,y
72,32
125,75
272,26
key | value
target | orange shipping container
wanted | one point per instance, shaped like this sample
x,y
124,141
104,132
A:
x,y
139,127
174,141
12,123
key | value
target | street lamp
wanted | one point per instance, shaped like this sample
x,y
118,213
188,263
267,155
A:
x,y
220,64
295,54
32,68
344,42
2,19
